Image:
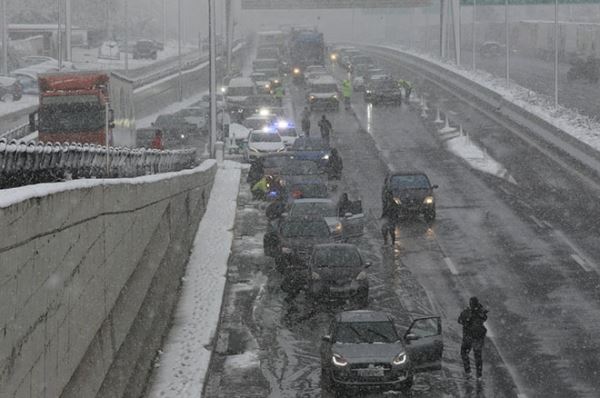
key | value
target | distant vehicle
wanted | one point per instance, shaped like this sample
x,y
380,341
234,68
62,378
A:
x,y
300,171
287,131
145,49
109,50
258,121
267,53
262,65
261,143
73,108
177,132
10,89
258,103
362,349
350,225
312,148
491,49
411,192
27,79
385,90
291,241
338,273
239,89
358,59
274,162
307,47
323,93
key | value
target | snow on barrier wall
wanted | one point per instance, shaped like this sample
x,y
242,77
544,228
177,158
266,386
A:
x,y
89,271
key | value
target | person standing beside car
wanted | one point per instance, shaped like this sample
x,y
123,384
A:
x,y
472,320
325,127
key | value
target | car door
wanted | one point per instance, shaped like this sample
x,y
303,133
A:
x,y
424,343
325,349
353,223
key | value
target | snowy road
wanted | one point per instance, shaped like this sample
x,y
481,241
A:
x,y
525,243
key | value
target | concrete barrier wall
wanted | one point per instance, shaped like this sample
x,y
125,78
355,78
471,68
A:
x,y
83,270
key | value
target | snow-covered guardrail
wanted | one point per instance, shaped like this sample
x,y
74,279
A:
x,y
24,163
547,135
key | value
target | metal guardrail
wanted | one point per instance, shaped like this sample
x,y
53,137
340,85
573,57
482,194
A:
x,y
24,163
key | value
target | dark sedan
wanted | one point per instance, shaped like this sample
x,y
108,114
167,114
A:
x,y
312,148
411,192
363,350
383,90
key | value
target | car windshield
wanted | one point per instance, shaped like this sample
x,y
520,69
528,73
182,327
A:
x,y
255,123
264,137
275,162
310,144
265,64
323,88
289,132
305,229
322,209
410,181
342,257
300,167
240,91
365,333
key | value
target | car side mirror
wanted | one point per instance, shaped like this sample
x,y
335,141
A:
x,y
435,186
326,339
348,215
411,337
368,264
284,214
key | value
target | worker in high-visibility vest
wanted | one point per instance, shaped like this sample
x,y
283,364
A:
x,y
405,84
279,93
347,92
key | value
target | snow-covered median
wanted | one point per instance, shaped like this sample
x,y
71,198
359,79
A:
x,y
186,354
569,120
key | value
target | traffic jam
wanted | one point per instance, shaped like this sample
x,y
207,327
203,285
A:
x,y
315,234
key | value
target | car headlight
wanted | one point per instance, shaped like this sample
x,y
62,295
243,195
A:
x,y
368,91
398,201
296,71
335,96
182,136
339,360
286,250
253,149
325,157
315,276
361,276
312,97
281,149
400,359
338,227
333,57
276,81
428,200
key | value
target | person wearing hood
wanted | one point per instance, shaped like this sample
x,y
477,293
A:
x,y
472,319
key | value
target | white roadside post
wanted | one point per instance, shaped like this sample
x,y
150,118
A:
x,y
68,28
58,35
106,142
179,72
555,53
126,16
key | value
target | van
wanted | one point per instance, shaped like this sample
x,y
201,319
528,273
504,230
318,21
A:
x,y
239,89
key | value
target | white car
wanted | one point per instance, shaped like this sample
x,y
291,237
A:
x,y
287,131
109,50
263,142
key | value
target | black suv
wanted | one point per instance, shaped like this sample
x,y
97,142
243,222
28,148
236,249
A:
x,y
411,192
145,49
383,90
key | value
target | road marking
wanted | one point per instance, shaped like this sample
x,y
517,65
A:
x,y
581,262
521,396
548,224
536,221
450,265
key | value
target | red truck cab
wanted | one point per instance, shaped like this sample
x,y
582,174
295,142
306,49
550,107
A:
x,y
73,107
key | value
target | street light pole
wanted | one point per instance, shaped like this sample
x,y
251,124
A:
x,y
4,38
473,35
126,12
213,76
58,36
556,53
506,40
179,72
68,28
164,22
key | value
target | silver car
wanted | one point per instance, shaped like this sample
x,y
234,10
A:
x,y
363,350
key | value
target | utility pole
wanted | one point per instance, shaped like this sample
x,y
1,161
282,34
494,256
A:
x,y
164,22
59,36
213,76
4,38
473,35
179,67
126,12
506,40
555,53
68,28
229,42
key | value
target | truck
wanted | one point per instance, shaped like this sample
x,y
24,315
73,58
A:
x,y
307,47
73,107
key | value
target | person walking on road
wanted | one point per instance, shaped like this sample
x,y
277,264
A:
x,y
472,320
306,122
389,215
405,84
279,93
347,93
326,127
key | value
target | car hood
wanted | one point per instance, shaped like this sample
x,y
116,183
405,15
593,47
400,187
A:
x,y
237,99
323,95
411,194
338,275
302,243
361,353
266,146
309,155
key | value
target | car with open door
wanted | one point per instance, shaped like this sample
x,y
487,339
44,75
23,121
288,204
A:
x,y
363,350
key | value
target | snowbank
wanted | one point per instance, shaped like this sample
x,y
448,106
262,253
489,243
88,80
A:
x,y
569,120
186,354
9,197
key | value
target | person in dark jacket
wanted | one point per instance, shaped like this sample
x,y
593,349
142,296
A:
x,y
306,124
256,172
276,208
472,320
325,127
344,205
334,165
389,215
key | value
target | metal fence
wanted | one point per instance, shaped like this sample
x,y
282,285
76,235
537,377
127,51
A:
x,y
25,163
